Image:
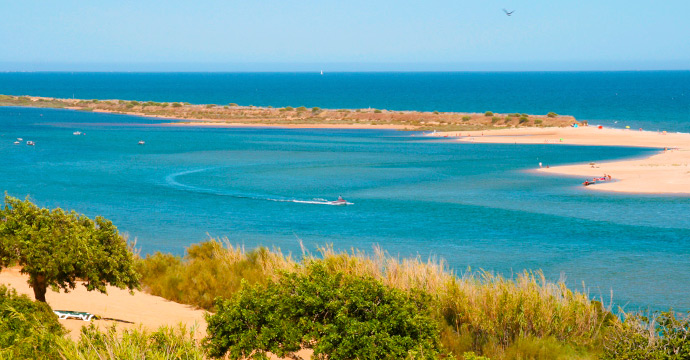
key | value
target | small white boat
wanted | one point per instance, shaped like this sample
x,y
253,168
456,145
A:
x,y
141,142
30,143
76,133
20,139
17,142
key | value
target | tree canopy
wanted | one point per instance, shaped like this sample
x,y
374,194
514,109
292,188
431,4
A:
x,y
58,249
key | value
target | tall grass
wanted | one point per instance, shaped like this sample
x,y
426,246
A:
x,y
164,343
479,311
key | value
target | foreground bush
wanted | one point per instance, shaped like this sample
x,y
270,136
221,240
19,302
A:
x,y
664,336
339,316
28,329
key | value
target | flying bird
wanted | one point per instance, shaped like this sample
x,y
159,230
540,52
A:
x,y
508,12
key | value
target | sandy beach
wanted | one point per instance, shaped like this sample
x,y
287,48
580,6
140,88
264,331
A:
x,y
667,172
118,307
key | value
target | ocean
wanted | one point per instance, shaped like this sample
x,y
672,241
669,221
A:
x,y
478,206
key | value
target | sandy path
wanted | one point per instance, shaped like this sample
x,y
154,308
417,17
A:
x,y
667,172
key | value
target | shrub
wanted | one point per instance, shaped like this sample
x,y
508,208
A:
x,y
288,108
466,118
28,329
495,119
524,115
232,104
662,336
316,110
210,106
436,112
523,119
301,108
339,316
552,114
377,111
538,121
207,271
488,113
134,103
176,105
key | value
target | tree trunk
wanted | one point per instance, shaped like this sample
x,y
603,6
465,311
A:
x,y
38,282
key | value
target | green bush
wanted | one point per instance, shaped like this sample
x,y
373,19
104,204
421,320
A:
x,y
377,111
523,119
232,104
301,108
495,119
436,112
176,105
210,106
466,118
538,121
488,113
28,329
316,110
552,114
288,108
662,336
339,316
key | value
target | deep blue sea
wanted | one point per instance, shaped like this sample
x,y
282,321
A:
x,y
475,205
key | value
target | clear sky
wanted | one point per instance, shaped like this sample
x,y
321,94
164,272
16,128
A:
x,y
359,35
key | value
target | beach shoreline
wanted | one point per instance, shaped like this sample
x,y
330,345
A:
x,y
664,173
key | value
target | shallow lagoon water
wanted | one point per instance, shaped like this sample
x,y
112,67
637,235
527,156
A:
x,y
475,205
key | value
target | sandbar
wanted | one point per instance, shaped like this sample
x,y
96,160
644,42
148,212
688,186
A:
x,y
666,172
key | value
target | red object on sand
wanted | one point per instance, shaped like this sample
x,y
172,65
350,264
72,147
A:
x,y
601,127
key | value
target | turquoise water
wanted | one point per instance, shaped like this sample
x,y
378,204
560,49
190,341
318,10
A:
x,y
476,205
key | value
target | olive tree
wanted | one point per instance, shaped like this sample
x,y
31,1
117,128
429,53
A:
x,y
58,249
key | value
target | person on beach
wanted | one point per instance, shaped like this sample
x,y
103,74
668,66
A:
x,y
540,164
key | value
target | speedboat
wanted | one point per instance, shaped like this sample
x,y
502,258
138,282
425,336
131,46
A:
x,y
30,143
76,133
20,139
141,142
17,143
340,201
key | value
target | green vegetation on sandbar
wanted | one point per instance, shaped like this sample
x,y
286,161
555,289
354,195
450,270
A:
x,y
343,305
232,113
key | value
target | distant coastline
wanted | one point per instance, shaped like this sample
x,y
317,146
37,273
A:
x,y
300,117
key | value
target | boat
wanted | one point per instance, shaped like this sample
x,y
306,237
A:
x,y
141,142
20,139
76,133
340,201
17,142
30,143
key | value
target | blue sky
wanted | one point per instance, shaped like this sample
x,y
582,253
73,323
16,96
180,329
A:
x,y
354,35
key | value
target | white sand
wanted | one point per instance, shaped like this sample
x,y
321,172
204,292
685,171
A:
x,y
667,172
